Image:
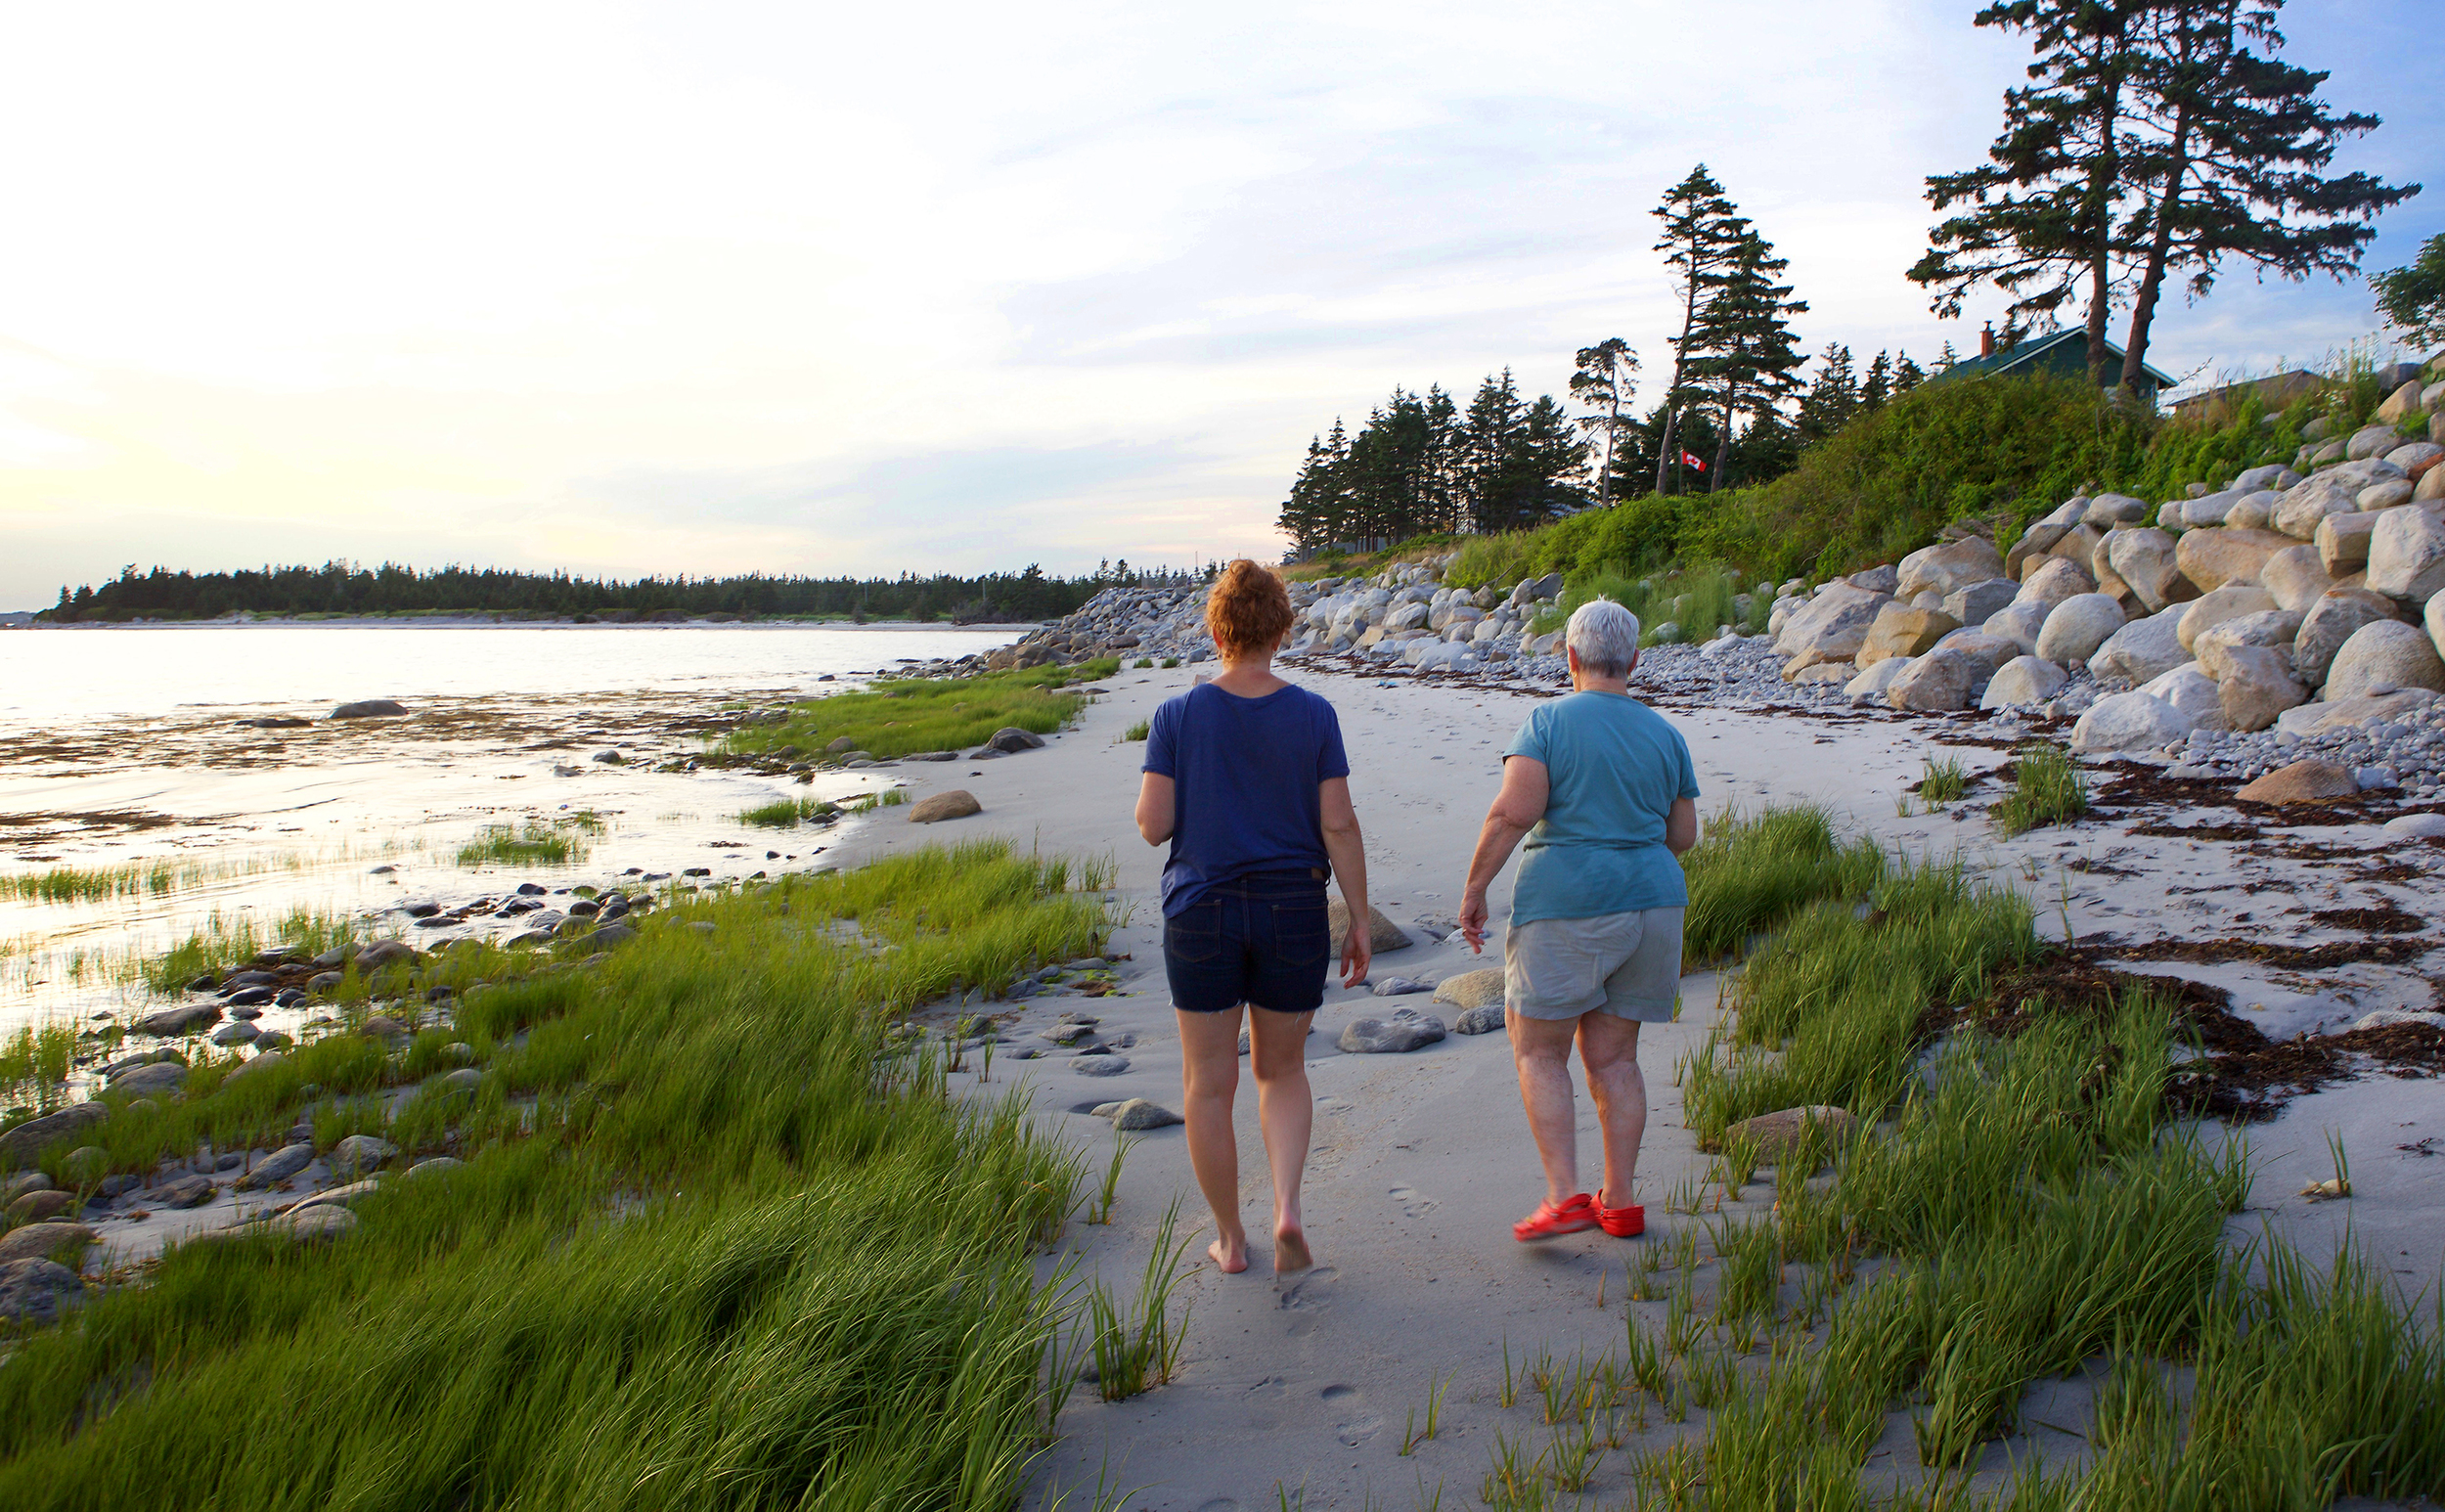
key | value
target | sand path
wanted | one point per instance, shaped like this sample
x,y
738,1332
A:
x,y
1421,1161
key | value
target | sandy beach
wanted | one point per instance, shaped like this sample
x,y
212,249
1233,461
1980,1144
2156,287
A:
x,y
1422,1160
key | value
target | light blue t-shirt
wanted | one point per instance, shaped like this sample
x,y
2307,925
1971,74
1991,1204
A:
x,y
1616,768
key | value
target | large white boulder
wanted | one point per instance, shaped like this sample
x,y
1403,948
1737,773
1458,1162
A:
x,y
2270,629
2343,542
1948,565
2206,510
2258,686
2295,576
2384,657
2226,553
2130,722
1986,652
2145,559
2336,616
2026,679
2371,441
2018,624
1832,625
2077,627
2054,579
2211,610
2385,494
1975,603
2433,621
2312,500
1870,686
2109,510
2356,713
1935,683
2407,553
2143,648
2192,693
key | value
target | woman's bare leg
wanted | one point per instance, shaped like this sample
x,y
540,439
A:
x,y
1542,1049
1209,1080
1286,1114
1608,1052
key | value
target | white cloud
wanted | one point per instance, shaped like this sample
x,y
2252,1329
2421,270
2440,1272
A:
x,y
833,289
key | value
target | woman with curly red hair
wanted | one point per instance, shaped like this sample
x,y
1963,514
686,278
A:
x,y
1246,778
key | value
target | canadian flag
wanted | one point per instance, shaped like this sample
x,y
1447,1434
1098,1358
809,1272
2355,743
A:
x,y
1688,461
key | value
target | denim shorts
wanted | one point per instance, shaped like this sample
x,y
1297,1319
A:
x,y
1259,939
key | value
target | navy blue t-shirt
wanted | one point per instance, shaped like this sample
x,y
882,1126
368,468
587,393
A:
x,y
1245,771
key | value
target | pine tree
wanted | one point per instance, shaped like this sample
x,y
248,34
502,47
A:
x,y
1908,375
2233,169
1832,396
2041,215
1741,351
1604,384
1703,230
2412,298
1488,432
1877,386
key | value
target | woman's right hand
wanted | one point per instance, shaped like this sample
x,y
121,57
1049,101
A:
x,y
1473,920
1357,952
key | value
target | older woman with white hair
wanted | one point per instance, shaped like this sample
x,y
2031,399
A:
x,y
1602,792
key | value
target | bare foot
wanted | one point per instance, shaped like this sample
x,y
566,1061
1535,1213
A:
x,y
1229,1258
1290,1251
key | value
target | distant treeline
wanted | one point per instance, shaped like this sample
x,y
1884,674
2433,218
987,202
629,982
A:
x,y
344,588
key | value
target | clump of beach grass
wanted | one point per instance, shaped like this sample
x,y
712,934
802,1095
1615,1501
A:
x,y
1749,871
907,715
534,843
2048,787
779,1291
786,812
1138,731
1946,779
34,1064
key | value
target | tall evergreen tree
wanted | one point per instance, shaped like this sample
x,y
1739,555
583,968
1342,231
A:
x,y
1877,386
1833,395
2412,298
2233,168
2040,218
1604,382
1741,351
1908,375
1703,230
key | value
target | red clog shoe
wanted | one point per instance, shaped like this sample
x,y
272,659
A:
x,y
1576,1214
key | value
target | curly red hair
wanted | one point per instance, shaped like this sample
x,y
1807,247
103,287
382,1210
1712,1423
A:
x,y
1249,612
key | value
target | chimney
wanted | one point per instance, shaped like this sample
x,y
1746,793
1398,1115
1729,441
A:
x,y
1986,340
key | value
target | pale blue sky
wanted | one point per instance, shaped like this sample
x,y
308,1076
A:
x,y
728,287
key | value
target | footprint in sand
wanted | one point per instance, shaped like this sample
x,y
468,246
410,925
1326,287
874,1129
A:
x,y
1412,1205
1353,1431
1313,1290
1219,1504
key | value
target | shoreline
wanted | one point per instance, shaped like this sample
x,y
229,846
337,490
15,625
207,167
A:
x,y
501,622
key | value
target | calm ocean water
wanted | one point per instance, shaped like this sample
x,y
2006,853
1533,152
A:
x,y
51,676
254,840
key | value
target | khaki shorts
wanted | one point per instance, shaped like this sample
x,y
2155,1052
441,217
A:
x,y
1628,965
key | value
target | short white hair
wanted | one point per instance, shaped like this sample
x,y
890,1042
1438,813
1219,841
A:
x,y
1606,637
